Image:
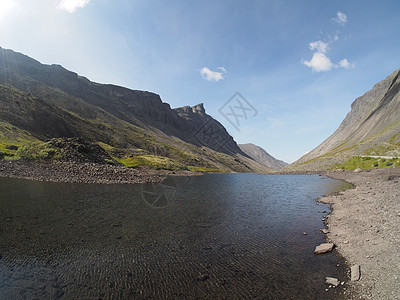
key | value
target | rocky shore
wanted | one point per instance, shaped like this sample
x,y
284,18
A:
x,y
73,172
365,227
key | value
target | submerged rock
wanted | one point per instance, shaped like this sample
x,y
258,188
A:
x,y
332,281
324,248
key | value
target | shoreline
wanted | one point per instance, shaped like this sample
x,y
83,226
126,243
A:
x,y
364,225
72,172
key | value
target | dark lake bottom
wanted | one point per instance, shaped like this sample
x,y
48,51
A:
x,y
227,236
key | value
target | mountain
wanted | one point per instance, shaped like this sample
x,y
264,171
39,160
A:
x,y
372,127
42,102
261,156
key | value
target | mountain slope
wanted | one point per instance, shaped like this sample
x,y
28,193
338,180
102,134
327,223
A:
x,y
262,156
144,109
42,102
372,127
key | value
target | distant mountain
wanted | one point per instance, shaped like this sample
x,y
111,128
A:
x,y
40,102
372,127
261,156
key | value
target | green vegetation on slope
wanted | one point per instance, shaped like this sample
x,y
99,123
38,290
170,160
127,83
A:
x,y
368,162
152,161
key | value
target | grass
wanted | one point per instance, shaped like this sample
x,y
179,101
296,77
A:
x,y
13,136
205,170
152,161
367,162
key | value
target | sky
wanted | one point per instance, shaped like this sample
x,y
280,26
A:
x,y
276,73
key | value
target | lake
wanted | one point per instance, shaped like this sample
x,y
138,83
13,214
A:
x,y
212,236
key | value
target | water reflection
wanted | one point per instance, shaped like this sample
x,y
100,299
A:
x,y
213,236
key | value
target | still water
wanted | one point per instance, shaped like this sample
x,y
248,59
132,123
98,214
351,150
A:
x,y
213,236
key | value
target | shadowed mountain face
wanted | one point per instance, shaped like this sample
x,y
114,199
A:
x,y
143,109
47,101
262,156
372,127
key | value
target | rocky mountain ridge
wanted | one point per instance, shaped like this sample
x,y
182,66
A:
x,y
40,102
262,156
371,127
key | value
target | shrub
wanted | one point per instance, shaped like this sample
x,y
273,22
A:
x,y
27,152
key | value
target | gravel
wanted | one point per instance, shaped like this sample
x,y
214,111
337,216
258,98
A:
x,y
74,172
365,227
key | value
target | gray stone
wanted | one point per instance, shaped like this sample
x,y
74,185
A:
x,y
324,248
324,231
355,273
332,281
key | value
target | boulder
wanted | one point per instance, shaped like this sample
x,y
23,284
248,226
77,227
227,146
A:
x,y
355,273
324,248
332,281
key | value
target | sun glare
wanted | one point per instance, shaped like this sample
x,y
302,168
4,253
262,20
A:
x,y
5,7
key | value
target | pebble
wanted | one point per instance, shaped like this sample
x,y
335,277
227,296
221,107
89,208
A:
x,y
204,277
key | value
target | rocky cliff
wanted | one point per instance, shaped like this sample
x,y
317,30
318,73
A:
x,y
372,127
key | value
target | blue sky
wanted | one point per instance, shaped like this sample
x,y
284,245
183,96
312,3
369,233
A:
x,y
300,64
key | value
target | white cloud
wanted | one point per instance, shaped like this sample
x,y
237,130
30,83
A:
x,y
344,63
319,62
320,46
209,75
340,19
222,69
72,5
